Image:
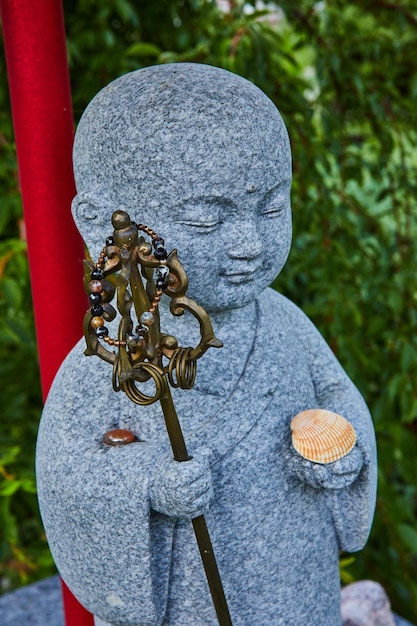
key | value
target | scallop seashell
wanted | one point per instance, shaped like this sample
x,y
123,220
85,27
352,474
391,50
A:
x,y
322,436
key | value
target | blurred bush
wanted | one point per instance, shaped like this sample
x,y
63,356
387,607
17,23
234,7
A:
x,y
344,76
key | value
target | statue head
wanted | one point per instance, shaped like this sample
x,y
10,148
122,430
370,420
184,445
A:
x,y
201,156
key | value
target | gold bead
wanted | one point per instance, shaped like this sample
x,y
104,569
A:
x,y
97,321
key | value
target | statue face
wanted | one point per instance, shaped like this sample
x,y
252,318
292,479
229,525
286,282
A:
x,y
233,235
233,240
202,157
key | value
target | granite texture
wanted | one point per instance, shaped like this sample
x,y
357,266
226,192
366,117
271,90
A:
x,y
202,156
365,603
40,604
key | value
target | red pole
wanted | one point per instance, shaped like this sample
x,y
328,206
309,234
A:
x,y
34,39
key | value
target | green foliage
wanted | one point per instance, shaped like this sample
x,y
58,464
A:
x,y
23,550
343,75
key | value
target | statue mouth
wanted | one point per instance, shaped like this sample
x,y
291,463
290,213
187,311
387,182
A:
x,y
240,277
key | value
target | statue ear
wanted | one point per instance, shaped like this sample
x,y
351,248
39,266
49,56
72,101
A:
x,y
82,209
92,212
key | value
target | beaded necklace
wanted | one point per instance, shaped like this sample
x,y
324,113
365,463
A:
x,y
97,293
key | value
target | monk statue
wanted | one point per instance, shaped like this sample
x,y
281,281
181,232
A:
x,y
203,158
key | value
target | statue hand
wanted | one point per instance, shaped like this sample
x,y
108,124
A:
x,y
337,475
182,489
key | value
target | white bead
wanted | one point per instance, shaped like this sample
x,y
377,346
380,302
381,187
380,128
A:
x,y
147,318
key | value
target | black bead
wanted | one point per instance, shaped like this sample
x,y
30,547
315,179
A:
x,y
157,242
161,283
109,241
97,310
95,298
142,331
102,331
97,274
160,253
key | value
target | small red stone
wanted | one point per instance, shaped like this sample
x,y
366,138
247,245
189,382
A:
x,y
119,437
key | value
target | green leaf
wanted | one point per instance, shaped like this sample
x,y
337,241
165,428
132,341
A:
x,y
12,293
408,535
9,456
143,49
409,357
8,528
346,577
9,487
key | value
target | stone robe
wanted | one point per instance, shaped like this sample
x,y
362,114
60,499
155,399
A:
x,y
276,539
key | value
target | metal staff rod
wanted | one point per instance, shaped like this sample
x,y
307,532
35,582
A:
x,y
199,523
143,349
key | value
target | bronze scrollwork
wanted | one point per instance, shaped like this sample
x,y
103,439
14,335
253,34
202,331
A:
x,y
131,263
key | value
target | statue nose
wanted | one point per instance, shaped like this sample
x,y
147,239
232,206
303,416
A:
x,y
244,242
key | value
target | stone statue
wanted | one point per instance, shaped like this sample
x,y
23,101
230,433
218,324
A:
x,y
203,157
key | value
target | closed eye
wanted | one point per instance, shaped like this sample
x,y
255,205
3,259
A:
x,y
274,210
276,200
201,226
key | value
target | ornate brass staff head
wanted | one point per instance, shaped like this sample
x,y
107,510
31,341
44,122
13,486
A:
x,y
140,272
